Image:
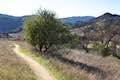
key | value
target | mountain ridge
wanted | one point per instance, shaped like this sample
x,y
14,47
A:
x,y
76,20
10,23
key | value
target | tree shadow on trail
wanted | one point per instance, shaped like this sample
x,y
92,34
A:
x,y
88,68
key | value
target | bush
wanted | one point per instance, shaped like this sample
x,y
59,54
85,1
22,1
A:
x,y
102,49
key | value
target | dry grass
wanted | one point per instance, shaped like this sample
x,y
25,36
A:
x,y
71,72
82,66
67,69
11,66
105,68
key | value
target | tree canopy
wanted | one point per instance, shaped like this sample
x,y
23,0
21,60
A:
x,y
43,30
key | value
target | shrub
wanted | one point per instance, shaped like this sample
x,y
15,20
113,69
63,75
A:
x,y
102,49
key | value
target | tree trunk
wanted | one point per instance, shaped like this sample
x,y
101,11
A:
x,y
86,49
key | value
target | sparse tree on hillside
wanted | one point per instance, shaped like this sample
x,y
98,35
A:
x,y
103,36
44,30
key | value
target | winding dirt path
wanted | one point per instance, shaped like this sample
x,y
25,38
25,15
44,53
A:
x,y
39,70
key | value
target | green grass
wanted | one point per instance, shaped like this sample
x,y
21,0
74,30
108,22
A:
x,y
53,70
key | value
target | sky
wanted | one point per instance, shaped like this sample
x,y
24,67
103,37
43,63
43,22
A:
x,y
63,8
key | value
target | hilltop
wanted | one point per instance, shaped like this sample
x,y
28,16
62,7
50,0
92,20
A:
x,y
106,19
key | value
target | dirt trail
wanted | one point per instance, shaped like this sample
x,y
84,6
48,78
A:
x,y
39,70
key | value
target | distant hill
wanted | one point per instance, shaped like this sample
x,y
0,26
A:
x,y
72,21
13,24
10,23
105,20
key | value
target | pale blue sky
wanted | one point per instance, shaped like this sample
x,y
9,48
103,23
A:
x,y
63,8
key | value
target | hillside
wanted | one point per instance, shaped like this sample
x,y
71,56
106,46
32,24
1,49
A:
x,y
81,65
72,21
10,23
104,32
13,67
105,20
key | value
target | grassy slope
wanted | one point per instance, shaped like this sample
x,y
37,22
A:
x,y
11,66
60,70
52,69
108,64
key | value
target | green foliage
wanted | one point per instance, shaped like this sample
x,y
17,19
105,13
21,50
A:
x,y
102,49
44,30
74,41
